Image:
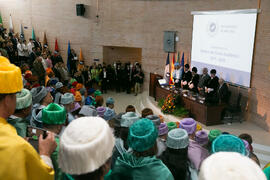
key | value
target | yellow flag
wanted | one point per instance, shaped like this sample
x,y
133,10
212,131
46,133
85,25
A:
x,y
81,56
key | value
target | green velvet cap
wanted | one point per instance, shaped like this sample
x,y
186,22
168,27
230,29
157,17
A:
x,y
142,135
171,125
213,134
53,114
97,93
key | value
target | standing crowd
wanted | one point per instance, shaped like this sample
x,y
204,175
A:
x,y
84,138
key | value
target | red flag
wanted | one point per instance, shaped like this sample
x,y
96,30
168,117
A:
x,y
45,40
56,46
172,69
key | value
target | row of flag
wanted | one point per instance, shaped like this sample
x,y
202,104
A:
x,y
173,58
56,47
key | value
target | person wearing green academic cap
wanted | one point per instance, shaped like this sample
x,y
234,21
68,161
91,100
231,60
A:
x,y
97,93
53,118
23,109
142,163
213,134
267,173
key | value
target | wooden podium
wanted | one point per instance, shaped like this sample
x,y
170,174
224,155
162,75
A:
x,y
207,114
152,85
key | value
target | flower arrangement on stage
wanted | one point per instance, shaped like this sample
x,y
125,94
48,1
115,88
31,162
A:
x,y
171,105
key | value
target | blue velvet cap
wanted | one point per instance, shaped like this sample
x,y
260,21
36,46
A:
x,y
228,143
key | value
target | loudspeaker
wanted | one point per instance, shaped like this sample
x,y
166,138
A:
x,y
169,41
80,9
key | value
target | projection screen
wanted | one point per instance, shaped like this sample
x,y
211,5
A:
x,y
224,40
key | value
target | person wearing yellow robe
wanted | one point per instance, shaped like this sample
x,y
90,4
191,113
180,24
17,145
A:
x,y
19,160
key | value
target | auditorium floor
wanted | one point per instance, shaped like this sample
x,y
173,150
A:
x,y
261,138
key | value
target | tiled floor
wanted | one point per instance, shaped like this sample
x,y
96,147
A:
x,y
261,138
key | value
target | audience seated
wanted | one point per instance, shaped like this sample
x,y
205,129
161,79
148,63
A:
x,y
67,100
212,135
130,108
110,102
248,138
142,163
229,143
267,172
196,153
162,138
54,118
121,144
146,112
155,119
175,157
41,99
23,110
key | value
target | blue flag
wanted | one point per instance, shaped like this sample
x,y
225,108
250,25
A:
x,y
183,63
68,57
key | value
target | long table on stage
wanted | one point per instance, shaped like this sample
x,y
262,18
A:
x,y
207,114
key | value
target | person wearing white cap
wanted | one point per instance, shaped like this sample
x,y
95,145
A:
x,y
110,102
67,100
79,144
58,87
41,98
142,163
88,110
230,166
23,109
175,157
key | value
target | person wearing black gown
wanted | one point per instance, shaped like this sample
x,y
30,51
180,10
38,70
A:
x,y
223,91
118,77
186,78
192,85
104,80
212,87
127,78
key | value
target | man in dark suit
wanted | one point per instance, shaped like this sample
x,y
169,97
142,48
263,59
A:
x,y
212,87
187,76
203,81
73,59
37,44
192,85
223,91
118,75
57,58
32,57
127,78
104,80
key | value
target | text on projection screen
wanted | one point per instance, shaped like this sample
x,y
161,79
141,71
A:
x,y
224,42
